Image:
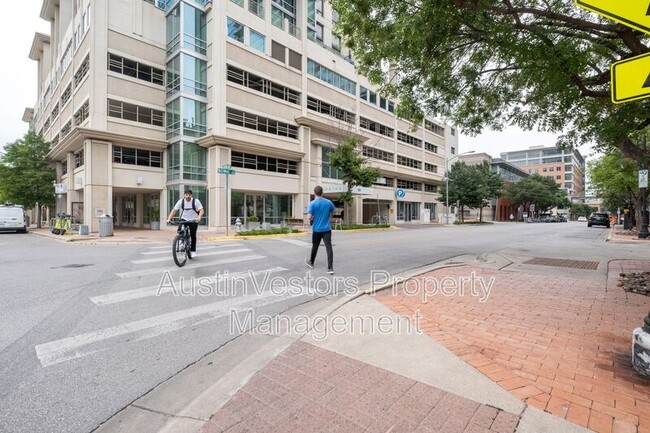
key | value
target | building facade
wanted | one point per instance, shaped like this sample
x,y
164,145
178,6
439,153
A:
x,y
142,99
500,208
566,167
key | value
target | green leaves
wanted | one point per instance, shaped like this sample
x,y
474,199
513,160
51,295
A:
x,y
26,177
540,190
490,63
353,167
472,185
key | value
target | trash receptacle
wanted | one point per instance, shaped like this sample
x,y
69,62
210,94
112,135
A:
x,y
83,230
105,225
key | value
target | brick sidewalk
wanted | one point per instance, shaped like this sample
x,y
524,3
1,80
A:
x,y
562,345
309,389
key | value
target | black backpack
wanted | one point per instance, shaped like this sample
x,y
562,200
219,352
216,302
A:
x,y
193,205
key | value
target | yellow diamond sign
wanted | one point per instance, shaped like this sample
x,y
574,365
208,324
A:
x,y
632,13
631,79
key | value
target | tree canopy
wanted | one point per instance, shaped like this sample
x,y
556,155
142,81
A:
x,y
539,190
615,180
26,177
490,63
352,166
471,185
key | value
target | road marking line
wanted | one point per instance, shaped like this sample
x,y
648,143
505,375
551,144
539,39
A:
x,y
78,346
201,253
129,295
229,244
194,265
168,248
296,242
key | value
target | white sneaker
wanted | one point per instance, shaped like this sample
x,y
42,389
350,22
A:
x,y
193,253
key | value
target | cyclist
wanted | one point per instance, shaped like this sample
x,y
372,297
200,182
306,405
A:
x,y
191,211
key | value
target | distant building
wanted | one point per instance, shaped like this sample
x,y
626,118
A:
x,y
500,208
566,167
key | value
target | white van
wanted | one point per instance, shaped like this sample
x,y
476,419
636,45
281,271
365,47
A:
x,y
12,218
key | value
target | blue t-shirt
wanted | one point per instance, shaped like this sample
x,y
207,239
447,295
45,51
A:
x,y
320,210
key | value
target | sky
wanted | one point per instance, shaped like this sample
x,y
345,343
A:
x,y
21,20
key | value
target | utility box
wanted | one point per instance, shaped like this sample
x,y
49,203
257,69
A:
x,y
105,226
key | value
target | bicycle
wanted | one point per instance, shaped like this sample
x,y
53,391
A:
x,y
182,243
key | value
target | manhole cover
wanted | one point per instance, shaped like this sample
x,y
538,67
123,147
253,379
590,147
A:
x,y
562,263
72,265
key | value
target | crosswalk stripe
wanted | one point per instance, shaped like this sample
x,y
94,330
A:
x,y
129,295
210,253
78,346
197,264
168,249
296,242
201,244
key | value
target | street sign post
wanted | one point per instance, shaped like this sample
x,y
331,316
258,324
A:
x,y
225,169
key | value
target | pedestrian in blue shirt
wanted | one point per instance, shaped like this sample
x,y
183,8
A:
x,y
320,212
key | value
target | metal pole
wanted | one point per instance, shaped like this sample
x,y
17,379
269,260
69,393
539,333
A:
x,y
227,211
447,193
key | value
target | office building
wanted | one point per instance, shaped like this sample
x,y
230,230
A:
x,y
566,167
143,99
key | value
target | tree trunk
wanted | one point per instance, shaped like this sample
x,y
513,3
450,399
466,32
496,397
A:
x,y
38,215
480,215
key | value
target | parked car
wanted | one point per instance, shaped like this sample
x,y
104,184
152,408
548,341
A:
x,y
582,219
12,218
598,219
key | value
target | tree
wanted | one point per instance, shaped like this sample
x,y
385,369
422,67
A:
x,y
615,180
491,63
353,167
26,177
538,190
492,182
472,186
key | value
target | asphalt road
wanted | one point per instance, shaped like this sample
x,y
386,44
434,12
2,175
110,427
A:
x,y
86,329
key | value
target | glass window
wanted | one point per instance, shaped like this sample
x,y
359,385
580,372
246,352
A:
x,y
195,33
194,75
194,161
235,30
257,41
194,117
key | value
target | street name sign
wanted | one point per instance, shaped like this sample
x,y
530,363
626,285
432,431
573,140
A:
x,y
225,169
643,178
632,13
631,79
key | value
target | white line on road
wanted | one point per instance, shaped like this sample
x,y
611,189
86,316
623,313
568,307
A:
x,y
201,244
129,295
197,264
296,242
168,248
78,346
201,253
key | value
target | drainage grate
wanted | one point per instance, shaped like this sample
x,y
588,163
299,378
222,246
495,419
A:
x,y
562,263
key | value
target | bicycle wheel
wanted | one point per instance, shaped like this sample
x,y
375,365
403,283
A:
x,y
179,251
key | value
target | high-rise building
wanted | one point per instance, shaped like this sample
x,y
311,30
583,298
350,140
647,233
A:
x,y
565,167
143,99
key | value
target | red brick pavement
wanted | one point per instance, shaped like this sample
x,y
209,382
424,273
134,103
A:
x,y
562,345
309,389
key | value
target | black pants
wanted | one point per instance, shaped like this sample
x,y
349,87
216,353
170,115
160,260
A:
x,y
315,243
193,225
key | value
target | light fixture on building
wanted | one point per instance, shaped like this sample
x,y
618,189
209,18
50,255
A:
x,y
139,180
